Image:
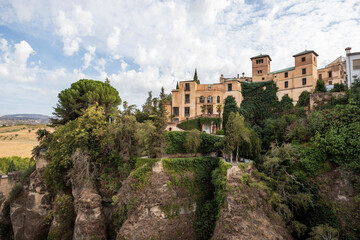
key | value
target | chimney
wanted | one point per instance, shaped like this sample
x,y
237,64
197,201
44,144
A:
x,y
238,76
348,50
243,74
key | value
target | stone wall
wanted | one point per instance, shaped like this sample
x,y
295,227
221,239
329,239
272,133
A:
x,y
8,181
317,98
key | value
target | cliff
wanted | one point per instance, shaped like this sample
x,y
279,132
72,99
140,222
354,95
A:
x,y
246,213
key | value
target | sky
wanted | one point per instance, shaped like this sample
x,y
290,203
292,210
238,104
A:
x,y
142,45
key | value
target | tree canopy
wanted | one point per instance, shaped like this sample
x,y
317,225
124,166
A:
x,y
229,107
82,94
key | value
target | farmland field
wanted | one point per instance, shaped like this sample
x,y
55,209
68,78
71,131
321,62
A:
x,y
19,140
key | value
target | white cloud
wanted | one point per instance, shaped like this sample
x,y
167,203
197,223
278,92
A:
x,y
143,45
73,27
89,56
113,39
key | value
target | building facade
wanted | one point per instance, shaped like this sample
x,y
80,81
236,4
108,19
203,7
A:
x,y
292,80
192,99
334,72
352,65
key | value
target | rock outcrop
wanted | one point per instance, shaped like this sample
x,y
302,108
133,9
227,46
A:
x,y
157,211
29,210
246,213
90,221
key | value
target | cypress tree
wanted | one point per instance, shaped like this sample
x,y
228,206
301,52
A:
x,y
229,107
196,77
157,143
177,85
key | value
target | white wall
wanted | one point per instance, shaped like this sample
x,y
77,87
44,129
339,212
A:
x,y
350,72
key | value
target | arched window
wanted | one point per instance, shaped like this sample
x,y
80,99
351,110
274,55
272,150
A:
x,y
209,99
202,99
218,99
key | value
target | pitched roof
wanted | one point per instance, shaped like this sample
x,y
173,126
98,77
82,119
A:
x,y
260,56
305,52
283,70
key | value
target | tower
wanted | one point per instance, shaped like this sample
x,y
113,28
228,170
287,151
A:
x,y
260,67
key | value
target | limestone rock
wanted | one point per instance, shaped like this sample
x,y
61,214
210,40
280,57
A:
x,y
246,214
29,210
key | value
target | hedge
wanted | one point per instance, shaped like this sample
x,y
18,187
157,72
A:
x,y
197,123
175,142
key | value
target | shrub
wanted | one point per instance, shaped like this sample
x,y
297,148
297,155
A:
x,y
192,141
220,132
175,143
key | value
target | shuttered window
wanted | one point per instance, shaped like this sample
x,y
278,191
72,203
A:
x,y
356,64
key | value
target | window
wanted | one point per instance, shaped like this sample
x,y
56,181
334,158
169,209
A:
x,y
286,74
176,120
303,71
262,78
258,61
209,87
304,81
187,86
330,82
330,74
209,99
210,110
259,71
286,84
176,111
356,64
187,111
303,59
187,98
202,99
218,99
230,87
320,76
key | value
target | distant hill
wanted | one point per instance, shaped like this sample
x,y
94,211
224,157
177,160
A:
x,y
24,119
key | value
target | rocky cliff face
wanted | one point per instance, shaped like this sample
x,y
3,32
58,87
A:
x,y
157,211
246,213
29,210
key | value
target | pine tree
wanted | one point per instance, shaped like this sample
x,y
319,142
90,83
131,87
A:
x,y
177,85
81,95
147,107
158,136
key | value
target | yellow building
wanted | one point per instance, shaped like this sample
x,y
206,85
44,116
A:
x,y
334,72
192,100
291,81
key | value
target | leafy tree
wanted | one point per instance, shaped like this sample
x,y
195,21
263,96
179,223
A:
x,y
354,91
304,99
157,146
229,107
236,134
196,77
148,106
324,232
82,94
286,103
192,141
260,102
338,87
146,129
320,86
128,109
141,116
168,97
11,168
